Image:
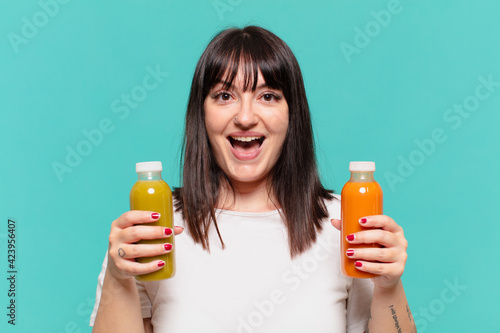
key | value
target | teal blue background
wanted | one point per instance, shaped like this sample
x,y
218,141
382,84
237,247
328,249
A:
x,y
394,91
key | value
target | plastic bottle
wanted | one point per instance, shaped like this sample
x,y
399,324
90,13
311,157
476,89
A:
x,y
361,196
152,193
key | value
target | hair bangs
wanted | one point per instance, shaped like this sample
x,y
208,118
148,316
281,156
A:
x,y
246,55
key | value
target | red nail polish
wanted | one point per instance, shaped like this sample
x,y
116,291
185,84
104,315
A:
x,y
358,264
168,231
363,220
168,247
349,253
155,216
350,238
161,264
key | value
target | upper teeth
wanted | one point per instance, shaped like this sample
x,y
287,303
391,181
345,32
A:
x,y
246,138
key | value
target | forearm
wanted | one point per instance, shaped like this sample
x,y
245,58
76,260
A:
x,y
390,311
119,308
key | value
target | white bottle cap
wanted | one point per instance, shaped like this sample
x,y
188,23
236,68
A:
x,y
148,166
362,166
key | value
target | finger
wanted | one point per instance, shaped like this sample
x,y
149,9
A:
x,y
379,236
336,223
138,232
383,255
133,217
131,251
131,267
380,221
178,230
391,270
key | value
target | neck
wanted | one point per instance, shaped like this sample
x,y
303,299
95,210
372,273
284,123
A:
x,y
247,197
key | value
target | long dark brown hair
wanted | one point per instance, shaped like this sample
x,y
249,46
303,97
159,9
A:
x,y
294,178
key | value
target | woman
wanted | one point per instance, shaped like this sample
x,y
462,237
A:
x,y
259,253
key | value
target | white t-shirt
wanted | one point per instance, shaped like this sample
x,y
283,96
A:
x,y
253,285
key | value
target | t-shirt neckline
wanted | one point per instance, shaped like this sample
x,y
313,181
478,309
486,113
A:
x,y
219,211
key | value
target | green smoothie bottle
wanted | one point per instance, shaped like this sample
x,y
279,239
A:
x,y
152,193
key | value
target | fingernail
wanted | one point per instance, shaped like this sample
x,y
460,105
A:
x,y
363,220
350,238
358,264
155,216
168,231
350,253
168,247
161,264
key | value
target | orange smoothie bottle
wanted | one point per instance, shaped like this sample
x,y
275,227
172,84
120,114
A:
x,y
361,196
151,193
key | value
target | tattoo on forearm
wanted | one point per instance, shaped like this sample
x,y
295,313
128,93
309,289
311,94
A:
x,y
395,317
409,313
121,253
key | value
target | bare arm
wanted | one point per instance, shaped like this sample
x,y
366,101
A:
x,y
390,311
389,308
120,305
119,309
148,327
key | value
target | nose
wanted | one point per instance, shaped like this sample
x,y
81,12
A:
x,y
246,116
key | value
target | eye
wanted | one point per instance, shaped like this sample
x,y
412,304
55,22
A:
x,y
270,97
222,96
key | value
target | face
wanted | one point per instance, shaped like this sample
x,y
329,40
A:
x,y
246,129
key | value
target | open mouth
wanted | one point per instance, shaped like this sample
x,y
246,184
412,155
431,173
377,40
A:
x,y
246,144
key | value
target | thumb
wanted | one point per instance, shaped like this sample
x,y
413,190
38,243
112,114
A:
x,y
336,223
178,230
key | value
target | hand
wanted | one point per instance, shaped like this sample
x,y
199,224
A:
x,y
389,260
128,229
